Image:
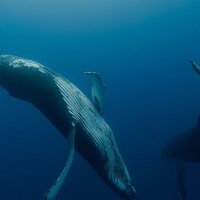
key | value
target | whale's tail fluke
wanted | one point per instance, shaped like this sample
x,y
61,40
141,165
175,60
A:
x,y
98,89
195,67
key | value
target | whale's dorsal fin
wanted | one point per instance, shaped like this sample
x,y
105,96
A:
x,y
51,194
195,67
98,89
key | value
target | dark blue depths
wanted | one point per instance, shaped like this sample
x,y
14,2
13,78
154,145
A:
x,y
141,48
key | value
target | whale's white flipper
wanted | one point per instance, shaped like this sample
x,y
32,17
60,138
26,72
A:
x,y
98,89
195,67
181,178
51,194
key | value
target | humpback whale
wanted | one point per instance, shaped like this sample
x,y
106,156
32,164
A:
x,y
184,148
74,115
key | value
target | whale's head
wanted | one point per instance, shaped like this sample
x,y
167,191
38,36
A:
x,y
173,149
180,147
16,72
12,71
6,71
169,152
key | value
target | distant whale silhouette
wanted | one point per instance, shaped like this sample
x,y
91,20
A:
x,y
70,111
184,148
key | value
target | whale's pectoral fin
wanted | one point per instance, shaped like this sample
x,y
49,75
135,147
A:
x,y
51,194
181,178
195,67
98,89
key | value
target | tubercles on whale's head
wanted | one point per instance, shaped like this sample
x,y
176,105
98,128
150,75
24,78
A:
x,y
14,70
6,71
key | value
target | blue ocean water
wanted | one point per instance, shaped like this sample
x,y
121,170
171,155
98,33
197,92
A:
x,y
142,49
